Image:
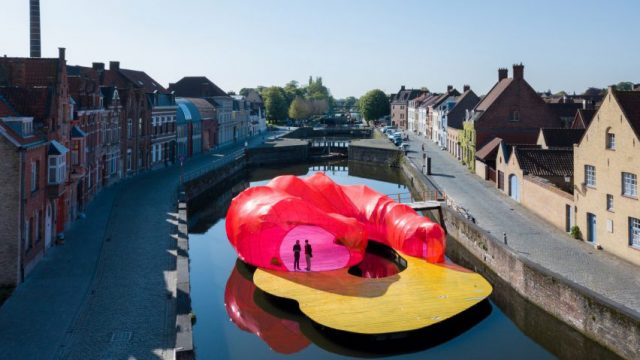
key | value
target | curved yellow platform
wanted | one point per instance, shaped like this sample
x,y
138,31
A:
x,y
421,295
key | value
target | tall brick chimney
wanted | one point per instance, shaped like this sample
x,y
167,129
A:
x,y
449,88
466,88
502,73
114,65
34,27
518,71
98,66
62,53
402,88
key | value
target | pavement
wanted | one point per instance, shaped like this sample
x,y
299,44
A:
x,y
109,291
528,234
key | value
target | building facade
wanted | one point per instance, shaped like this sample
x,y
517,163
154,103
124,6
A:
x,y
607,169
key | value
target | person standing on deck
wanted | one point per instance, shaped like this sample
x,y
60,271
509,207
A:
x,y
307,253
296,255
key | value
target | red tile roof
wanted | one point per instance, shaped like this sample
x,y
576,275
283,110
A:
x,y
5,108
143,80
35,102
490,150
493,94
196,87
28,72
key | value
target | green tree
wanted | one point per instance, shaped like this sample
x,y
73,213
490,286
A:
x,y
275,103
244,91
374,104
350,102
624,86
300,109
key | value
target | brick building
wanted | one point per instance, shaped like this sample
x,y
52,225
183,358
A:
x,y
400,106
26,229
512,110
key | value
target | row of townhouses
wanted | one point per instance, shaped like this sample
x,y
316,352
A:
x,y
68,131
574,160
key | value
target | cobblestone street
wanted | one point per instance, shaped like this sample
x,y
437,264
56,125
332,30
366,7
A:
x,y
107,293
528,234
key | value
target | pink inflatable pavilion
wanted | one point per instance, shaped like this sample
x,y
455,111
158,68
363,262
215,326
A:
x,y
264,222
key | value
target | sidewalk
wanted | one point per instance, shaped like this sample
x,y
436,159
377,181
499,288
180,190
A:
x,y
107,293
528,234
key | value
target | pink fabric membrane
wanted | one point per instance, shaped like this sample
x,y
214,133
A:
x,y
263,223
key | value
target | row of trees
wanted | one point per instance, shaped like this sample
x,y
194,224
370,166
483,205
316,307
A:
x,y
295,101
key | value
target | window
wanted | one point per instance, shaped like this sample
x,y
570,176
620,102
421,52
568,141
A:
x,y
629,184
609,202
36,231
611,141
515,115
34,175
27,234
75,153
128,159
590,175
57,169
634,232
129,128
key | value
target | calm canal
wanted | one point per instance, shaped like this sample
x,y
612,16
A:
x,y
504,327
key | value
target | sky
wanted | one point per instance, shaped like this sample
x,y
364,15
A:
x,y
354,45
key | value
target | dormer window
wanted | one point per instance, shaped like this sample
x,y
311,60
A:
x,y
610,140
515,115
27,127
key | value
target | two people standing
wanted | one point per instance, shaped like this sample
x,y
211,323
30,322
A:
x,y
296,254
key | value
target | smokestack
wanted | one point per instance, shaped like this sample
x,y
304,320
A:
x,y
34,13
62,53
466,88
114,65
502,73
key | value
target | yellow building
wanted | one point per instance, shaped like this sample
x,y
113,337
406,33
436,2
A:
x,y
607,165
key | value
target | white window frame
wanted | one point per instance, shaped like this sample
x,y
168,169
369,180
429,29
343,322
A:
x,y
610,141
57,168
34,176
590,175
610,202
629,184
634,232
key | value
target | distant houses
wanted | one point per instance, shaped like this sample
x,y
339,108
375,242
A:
x,y
571,159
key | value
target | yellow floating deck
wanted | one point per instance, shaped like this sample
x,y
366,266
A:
x,y
421,295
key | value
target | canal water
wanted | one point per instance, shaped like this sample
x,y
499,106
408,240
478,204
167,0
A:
x,y
235,320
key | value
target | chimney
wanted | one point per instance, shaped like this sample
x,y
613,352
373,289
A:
x,y
502,73
402,88
34,23
98,66
466,88
518,71
61,53
449,88
114,65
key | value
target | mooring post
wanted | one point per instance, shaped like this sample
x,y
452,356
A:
x,y
429,166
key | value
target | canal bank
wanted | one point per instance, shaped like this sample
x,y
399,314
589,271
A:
x,y
607,322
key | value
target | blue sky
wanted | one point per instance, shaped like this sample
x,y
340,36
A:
x,y
355,45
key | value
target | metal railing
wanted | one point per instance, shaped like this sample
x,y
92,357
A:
x,y
217,163
407,197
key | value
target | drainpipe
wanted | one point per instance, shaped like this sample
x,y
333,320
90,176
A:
x,y
19,269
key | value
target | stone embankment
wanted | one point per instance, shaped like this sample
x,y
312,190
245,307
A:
x,y
597,317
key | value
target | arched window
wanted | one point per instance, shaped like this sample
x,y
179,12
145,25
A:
x,y
610,140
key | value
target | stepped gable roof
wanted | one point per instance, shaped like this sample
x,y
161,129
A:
x,y
545,162
143,80
490,150
561,138
493,94
630,103
196,86
583,118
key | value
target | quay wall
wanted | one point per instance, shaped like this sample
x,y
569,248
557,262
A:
x,y
608,323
